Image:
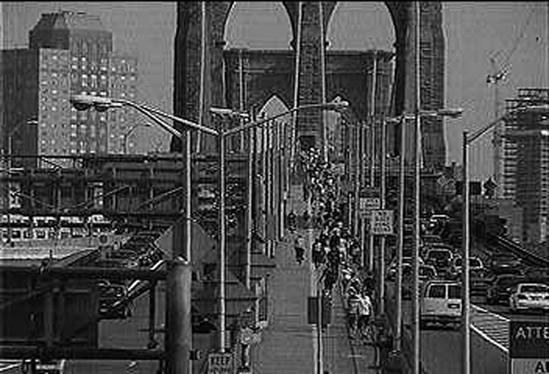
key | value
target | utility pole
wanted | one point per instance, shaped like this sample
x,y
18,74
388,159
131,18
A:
x,y
400,249
372,152
221,233
382,203
415,295
249,212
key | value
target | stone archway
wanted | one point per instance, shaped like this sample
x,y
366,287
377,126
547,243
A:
x,y
188,53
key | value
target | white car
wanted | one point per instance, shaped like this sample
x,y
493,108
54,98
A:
x,y
441,303
527,296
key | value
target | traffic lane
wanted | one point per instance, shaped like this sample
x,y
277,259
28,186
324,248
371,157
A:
x,y
504,311
131,333
440,348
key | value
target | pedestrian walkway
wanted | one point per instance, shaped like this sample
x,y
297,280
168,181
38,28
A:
x,y
288,344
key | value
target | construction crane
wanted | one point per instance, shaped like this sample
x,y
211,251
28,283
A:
x,y
500,72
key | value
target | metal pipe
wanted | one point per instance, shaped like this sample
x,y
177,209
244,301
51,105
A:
x,y
201,97
371,238
86,272
415,295
188,197
400,248
250,205
356,200
178,342
465,312
77,353
152,315
324,125
319,357
281,181
382,203
221,233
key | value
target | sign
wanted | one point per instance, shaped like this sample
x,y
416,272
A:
x,y
529,347
381,222
220,363
529,366
367,204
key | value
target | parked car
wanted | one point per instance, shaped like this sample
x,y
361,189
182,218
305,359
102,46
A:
x,y
499,290
440,258
505,263
529,296
441,303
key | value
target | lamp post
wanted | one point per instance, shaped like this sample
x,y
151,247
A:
x,y
402,120
178,296
127,134
466,242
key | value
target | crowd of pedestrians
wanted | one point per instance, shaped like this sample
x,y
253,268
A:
x,y
335,251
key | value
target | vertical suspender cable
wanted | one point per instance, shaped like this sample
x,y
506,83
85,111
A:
x,y
372,111
296,85
241,97
323,83
202,74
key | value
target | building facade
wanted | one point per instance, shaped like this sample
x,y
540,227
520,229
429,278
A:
x,y
526,163
70,53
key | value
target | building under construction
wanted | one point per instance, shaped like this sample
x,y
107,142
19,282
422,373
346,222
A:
x,y
526,162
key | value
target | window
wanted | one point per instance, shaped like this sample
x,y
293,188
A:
x,y
437,291
454,292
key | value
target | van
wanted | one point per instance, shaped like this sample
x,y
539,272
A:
x,y
441,303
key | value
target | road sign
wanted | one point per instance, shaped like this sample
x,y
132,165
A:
x,y
529,347
367,204
220,363
529,365
381,222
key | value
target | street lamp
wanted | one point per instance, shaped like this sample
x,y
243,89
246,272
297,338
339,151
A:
x,y
466,242
402,120
178,297
222,134
127,134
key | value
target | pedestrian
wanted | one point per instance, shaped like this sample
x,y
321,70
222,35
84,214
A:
x,y
299,247
365,311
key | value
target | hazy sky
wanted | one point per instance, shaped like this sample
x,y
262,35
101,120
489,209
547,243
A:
x,y
473,32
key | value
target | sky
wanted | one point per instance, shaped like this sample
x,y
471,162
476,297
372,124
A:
x,y
517,33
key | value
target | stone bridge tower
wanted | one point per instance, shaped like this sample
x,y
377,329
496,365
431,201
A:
x,y
310,64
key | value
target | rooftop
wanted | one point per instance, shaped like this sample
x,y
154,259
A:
x,y
68,20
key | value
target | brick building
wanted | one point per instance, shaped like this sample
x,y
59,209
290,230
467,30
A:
x,y
70,53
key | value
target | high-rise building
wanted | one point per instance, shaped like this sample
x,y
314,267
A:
x,y
70,53
526,162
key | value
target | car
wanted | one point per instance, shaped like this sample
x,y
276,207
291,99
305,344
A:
x,y
498,292
392,268
441,303
537,274
529,296
431,239
505,263
440,258
475,266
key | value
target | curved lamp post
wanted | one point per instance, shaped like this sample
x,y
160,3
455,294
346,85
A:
x,y
84,102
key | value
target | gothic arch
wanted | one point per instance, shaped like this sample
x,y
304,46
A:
x,y
187,62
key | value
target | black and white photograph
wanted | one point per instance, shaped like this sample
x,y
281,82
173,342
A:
x,y
294,187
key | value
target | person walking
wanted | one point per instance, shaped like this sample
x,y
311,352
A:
x,y
299,248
